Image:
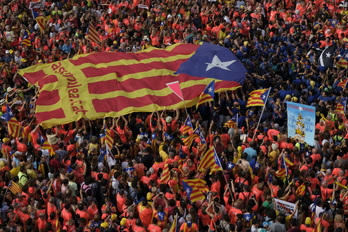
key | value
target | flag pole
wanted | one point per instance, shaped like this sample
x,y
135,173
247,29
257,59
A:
x,y
286,169
263,108
7,188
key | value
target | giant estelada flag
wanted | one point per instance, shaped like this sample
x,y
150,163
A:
x,y
110,84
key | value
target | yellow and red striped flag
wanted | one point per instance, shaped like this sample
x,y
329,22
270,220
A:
x,y
232,123
196,134
40,20
258,97
14,187
301,190
105,84
210,160
25,39
187,125
317,227
207,95
194,189
343,83
342,106
14,128
165,174
109,140
93,34
47,146
342,63
283,170
175,226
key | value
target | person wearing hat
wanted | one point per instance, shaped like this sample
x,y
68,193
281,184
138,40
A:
x,y
5,149
307,226
7,58
122,226
104,225
169,121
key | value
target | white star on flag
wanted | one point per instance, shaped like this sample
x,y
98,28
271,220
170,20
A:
x,y
229,166
189,123
247,218
328,55
188,191
257,165
216,63
263,96
167,137
300,108
346,55
210,90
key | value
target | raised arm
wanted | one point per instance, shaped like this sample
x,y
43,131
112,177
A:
x,y
177,114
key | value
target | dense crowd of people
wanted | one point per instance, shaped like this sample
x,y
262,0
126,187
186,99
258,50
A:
x,y
82,187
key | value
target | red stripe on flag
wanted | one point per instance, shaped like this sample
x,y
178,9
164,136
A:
x,y
41,22
35,76
47,80
153,83
44,116
48,98
205,97
122,70
107,57
103,87
93,34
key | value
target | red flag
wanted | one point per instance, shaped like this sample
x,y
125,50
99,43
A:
x,y
175,87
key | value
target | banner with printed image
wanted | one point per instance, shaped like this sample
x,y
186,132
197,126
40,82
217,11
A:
x,y
301,122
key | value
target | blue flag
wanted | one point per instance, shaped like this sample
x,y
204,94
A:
x,y
9,113
214,61
230,165
35,14
181,153
202,139
42,139
168,137
265,95
254,166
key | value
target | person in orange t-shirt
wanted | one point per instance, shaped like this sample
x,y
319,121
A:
x,y
121,129
145,213
121,199
153,227
41,222
66,214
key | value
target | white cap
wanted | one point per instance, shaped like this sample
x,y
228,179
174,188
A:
x,y
168,119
